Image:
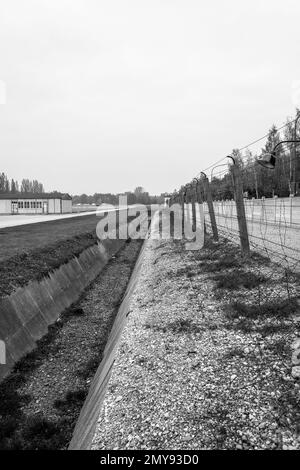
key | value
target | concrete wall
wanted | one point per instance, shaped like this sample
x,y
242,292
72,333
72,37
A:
x,y
85,428
26,314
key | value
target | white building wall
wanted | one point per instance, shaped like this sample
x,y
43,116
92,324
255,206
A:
x,y
54,206
66,206
30,206
57,203
51,207
36,206
5,206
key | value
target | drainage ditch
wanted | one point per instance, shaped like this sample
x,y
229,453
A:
x,y
41,399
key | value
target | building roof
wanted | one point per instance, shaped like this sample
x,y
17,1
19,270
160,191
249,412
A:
x,y
35,196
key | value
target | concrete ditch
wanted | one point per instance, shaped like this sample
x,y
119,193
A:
x,y
26,314
86,424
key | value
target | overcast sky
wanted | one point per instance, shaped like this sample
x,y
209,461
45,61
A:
x,y
106,95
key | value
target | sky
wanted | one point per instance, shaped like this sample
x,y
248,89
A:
x,y
104,96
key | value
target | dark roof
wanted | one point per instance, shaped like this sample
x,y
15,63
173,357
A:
x,y
35,196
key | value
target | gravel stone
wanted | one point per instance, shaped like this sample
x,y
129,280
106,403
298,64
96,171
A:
x,y
190,375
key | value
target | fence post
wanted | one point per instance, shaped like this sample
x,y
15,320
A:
x,y
211,209
200,200
275,209
291,209
240,209
194,199
188,202
182,209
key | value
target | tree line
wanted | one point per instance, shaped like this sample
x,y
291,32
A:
x,y
13,187
257,180
138,196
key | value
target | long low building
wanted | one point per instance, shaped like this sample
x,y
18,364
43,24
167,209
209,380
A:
x,y
34,203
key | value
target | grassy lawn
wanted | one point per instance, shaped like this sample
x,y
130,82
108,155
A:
x,y
30,252
24,238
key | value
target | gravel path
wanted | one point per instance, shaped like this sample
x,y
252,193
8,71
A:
x,y
194,369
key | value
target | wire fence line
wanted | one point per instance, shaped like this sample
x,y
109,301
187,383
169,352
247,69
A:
x,y
258,283
273,225
270,211
268,225
253,258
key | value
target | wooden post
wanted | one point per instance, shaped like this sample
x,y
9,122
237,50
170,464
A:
x,y
291,209
275,209
194,199
182,209
188,200
199,199
240,210
211,209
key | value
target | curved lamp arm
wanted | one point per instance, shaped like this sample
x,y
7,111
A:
x,y
284,142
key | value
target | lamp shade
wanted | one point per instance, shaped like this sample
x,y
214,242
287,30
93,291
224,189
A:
x,y
268,160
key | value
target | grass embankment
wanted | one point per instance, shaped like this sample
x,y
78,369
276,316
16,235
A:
x,y
42,398
25,238
29,252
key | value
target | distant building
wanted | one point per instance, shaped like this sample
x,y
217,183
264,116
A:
x,y
34,203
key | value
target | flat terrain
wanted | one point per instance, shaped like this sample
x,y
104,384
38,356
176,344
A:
x,y
23,238
23,219
20,219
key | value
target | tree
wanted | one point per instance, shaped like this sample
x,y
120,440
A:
x,y
13,186
25,186
4,183
28,186
37,187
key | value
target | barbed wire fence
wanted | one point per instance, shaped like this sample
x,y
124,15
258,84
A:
x,y
259,270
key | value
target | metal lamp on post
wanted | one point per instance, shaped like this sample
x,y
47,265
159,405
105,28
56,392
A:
x,y
295,183
268,160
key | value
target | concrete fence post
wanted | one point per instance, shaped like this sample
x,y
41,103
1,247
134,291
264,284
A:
x,y
194,200
199,199
182,209
275,209
211,210
291,208
188,204
240,209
